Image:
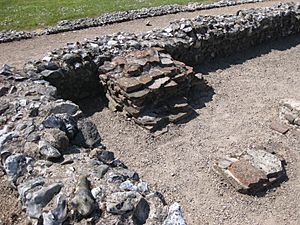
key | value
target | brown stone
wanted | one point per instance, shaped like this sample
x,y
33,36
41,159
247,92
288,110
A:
x,y
279,127
129,84
145,79
156,73
133,69
119,60
138,94
246,174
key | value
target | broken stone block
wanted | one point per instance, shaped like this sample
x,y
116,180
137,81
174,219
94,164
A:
x,y
279,127
290,111
252,172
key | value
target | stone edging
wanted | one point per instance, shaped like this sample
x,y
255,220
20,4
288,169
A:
x,y
117,17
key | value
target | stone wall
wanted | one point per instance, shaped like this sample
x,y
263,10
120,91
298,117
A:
x,y
117,17
55,159
74,69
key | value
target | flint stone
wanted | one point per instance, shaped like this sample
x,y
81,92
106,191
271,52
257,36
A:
x,y
64,107
53,121
83,202
120,203
23,188
175,215
101,170
48,151
17,165
56,138
58,215
51,75
141,212
35,201
88,135
105,156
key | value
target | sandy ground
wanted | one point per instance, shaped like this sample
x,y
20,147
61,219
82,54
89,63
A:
x,y
237,113
17,53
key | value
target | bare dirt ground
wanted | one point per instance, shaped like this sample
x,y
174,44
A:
x,y
246,92
247,89
17,53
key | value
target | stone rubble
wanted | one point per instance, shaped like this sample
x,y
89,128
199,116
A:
x,y
253,172
117,17
290,111
56,161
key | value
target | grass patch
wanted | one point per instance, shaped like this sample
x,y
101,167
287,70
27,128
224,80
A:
x,y
30,14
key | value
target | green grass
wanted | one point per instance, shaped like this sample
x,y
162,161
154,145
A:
x,y
31,14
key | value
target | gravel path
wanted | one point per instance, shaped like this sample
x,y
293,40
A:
x,y
17,53
239,113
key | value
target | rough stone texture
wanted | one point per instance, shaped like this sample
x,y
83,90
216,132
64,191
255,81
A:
x,y
149,86
84,177
189,41
290,111
252,172
117,17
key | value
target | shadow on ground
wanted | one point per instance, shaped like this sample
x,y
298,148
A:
x,y
241,57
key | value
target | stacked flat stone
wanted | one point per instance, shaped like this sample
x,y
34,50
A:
x,y
149,86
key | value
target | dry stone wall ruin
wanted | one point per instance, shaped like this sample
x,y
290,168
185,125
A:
x,y
75,69
117,17
54,156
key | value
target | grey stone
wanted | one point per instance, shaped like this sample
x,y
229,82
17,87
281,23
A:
x,y
141,212
121,202
17,165
48,151
175,215
59,214
23,188
83,202
88,135
56,138
67,107
36,201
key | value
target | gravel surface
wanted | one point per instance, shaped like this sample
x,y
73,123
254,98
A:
x,y
247,89
17,53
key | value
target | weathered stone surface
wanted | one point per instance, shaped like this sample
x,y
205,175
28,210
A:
x,y
48,151
83,202
175,215
88,135
35,201
279,127
17,165
121,202
58,215
289,112
252,172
